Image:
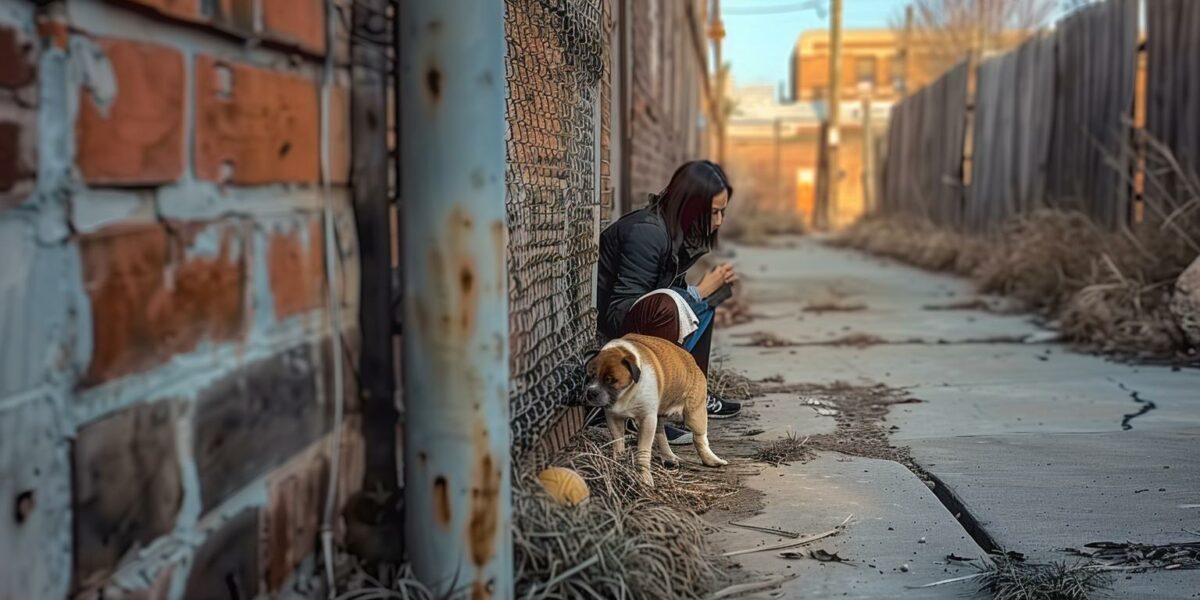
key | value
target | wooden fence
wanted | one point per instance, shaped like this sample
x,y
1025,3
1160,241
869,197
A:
x,y
925,149
1049,126
1173,87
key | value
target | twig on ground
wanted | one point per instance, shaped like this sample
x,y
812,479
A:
x,y
782,532
746,588
800,542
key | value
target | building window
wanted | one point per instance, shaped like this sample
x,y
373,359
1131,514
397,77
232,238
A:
x,y
864,69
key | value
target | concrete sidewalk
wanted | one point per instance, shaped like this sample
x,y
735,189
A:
x,y
1044,447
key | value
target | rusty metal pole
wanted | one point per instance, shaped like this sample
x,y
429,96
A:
x,y
457,443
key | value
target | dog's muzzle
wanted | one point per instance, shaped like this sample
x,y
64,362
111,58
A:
x,y
594,395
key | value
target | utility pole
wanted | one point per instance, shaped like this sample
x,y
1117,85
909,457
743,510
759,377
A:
x,y
834,103
778,165
716,32
457,444
905,50
868,156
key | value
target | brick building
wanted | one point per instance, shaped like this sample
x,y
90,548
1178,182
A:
x,y
667,97
166,339
166,389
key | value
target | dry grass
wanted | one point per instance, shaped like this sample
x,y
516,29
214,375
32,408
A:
x,y
790,448
730,384
625,541
1011,579
1108,290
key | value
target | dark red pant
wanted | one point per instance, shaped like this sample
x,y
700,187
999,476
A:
x,y
658,316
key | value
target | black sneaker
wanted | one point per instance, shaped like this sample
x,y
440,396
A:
x,y
722,409
677,436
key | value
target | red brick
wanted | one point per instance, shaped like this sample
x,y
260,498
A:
x,y
138,138
153,295
261,128
188,10
18,65
295,22
339,135
293,516
232,16
296,267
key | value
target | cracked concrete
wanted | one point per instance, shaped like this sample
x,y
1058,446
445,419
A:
x,y
1043,446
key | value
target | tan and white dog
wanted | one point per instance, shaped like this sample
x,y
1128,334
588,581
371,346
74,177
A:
x,y
643,378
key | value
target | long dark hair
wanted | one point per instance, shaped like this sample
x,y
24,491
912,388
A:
x,y
686,203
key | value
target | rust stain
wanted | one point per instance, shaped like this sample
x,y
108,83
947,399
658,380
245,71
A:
x,y
441,292
481,589
433,83
441,501
485,506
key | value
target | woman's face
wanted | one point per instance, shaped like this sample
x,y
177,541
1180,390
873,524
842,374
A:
x,y
719,203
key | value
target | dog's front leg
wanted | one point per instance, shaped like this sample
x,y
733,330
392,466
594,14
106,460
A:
x,y
669,459
616,426
647,427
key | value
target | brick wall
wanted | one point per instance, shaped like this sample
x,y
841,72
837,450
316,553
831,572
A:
x,y
165,366
669,92
752,169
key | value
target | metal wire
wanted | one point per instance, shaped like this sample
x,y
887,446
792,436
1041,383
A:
x,y
556,57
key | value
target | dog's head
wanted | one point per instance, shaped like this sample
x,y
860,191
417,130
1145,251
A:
x,y
610,372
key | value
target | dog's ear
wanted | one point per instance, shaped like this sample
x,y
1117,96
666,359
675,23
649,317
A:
x,y
634,371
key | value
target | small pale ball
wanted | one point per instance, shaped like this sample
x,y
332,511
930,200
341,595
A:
x,y
564,485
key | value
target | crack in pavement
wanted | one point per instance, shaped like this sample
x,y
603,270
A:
x,y
1146,405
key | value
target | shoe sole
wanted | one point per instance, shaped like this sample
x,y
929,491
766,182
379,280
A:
x,y
683,440
728,416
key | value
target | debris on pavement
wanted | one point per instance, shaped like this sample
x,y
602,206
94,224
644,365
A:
x,y
823,556
1009,579
784,450
824,307
764,339
824,407
774,530
1183,555
972,304
800,542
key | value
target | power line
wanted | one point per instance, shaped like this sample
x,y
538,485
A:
x,y
777,9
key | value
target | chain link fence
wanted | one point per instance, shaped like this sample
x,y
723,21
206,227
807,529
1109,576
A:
x,y
556,60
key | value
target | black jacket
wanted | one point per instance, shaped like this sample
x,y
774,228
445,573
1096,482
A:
x,y
636,258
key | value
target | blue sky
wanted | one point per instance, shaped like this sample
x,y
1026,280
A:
x,y
759,46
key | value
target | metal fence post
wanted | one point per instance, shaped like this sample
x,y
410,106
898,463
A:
x,y
456,354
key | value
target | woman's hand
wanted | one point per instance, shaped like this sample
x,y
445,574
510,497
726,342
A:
x,y
716,278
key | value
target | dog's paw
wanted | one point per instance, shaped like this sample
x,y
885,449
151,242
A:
x,y
647,479
671,463
715,462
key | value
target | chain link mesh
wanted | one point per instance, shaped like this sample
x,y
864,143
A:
x,y
555,62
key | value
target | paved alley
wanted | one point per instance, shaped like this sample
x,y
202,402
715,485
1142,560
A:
x,y
1033,447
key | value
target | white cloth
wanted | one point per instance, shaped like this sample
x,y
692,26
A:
x,y
688,321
